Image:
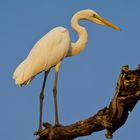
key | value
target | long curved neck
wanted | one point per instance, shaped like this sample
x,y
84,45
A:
x,y
78,46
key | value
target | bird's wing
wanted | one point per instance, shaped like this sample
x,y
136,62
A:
x,y
46,53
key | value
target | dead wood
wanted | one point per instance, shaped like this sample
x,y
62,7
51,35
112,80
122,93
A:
x,y
111,118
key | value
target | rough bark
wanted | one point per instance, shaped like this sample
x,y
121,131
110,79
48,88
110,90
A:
x,y
111,118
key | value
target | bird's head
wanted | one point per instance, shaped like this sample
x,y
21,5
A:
x,y
96,18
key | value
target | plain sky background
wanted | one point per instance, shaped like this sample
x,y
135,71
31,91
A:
x,y
86,82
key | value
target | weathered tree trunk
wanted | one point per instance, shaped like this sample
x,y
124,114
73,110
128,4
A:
x,y
111,118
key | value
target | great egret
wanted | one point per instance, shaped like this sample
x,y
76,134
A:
x,y
51,49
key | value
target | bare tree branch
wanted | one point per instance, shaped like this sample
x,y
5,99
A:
x,y
111,118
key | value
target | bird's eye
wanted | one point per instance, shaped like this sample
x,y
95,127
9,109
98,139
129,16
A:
x,y
94,15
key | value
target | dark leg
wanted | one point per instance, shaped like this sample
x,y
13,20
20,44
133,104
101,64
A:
x,y
55,94
41,99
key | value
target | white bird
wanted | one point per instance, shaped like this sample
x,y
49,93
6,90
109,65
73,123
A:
x,y
50,51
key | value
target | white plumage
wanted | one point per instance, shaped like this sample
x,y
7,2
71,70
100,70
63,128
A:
x,y
41,57
51,49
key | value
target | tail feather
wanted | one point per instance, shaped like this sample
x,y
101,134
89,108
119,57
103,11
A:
x,y
22,75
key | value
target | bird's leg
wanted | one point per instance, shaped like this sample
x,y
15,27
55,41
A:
x,y
55,93
41,99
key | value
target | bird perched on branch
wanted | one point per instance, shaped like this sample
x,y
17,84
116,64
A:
x,y
50,51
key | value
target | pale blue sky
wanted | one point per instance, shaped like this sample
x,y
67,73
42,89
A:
x,y
86,82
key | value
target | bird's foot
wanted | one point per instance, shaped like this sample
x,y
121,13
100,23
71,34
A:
x,y
38,132
58,125
47,125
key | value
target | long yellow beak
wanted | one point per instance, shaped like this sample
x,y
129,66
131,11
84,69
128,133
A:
x,y
107,23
